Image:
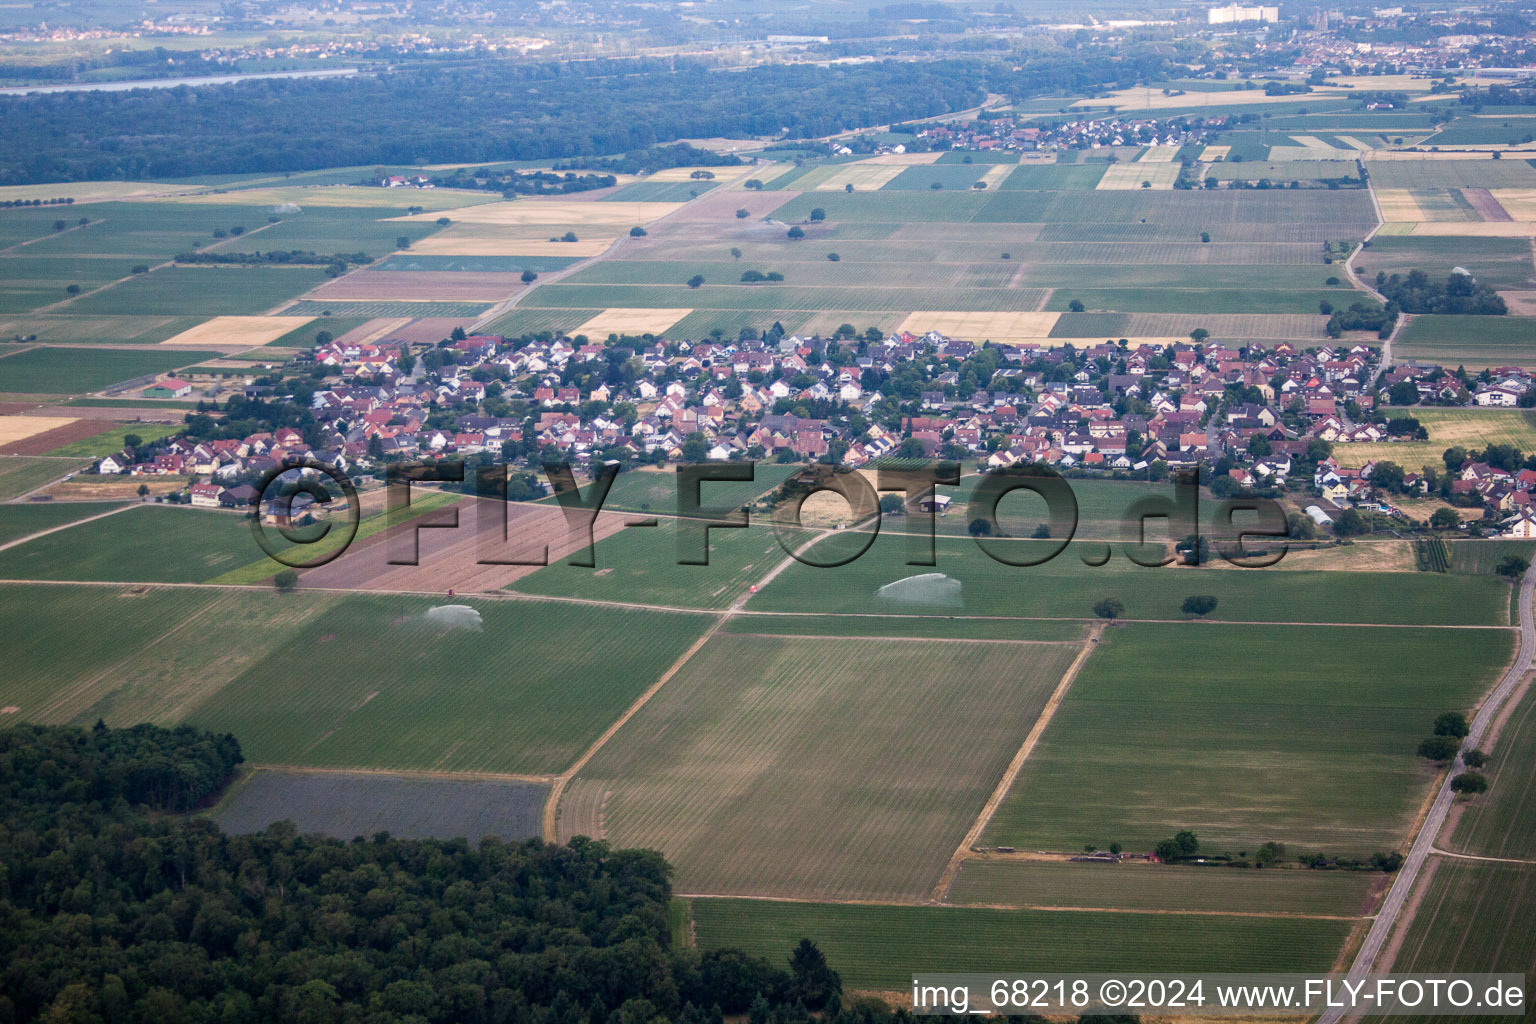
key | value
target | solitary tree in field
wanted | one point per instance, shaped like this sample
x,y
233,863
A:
x,y
143,490
73,289
530,276
1510,566
1076,306
695,280
979,527
1199,604
818,214
637,232
848,187
1109,608
796,232
286,580
741,214
735,253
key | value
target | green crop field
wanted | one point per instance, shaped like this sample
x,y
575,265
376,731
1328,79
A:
x,y
1495,262
209,291
1502,821
767,767
17,521
53,371
1481,557
1471,341
20,473
641,565
659,192
1038,177
938,627
1475,917
1452,174
474,264
147,655
1142,886
1251,746
1196,301
947,176
1066,588
524,693
151,543
655,490
982,158
104,330
880,948
31,282
1283,171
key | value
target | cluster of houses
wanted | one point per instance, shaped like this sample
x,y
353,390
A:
x,y
1008,134
1254,413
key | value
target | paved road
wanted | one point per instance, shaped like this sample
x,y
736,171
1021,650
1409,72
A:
x,y
1423,844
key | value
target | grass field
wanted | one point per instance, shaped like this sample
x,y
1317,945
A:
x,y
880,948
765,767
1139,886
1472,429
115,330
1253,745
1066,588
1481,557
1452,174
655,490
53,371
1471,341
20,474
525,693
348,804
110,439
371,310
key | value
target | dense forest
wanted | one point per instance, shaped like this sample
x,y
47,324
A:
x,y
495,110
112,909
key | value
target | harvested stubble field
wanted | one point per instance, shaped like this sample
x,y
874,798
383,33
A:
x,y
239,331
524,693
1241,733
348,804
828,767
1142,886
1472,429
880,948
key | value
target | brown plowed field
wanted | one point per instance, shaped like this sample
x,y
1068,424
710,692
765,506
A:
x,y
449,558
436,286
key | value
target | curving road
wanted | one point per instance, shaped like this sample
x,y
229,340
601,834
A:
x,y
1424,842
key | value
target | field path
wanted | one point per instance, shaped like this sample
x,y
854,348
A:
x,y
552,804
1424,843
973,835
1472,856
1360,283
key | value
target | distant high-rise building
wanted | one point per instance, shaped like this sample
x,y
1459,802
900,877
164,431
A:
x,y
1234,13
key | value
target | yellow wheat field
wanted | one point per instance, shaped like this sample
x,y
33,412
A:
x,y
1003,325
242,331
1398,205
19,428
620,320
1119,177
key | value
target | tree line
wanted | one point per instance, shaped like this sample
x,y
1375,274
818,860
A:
x,y
483,112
